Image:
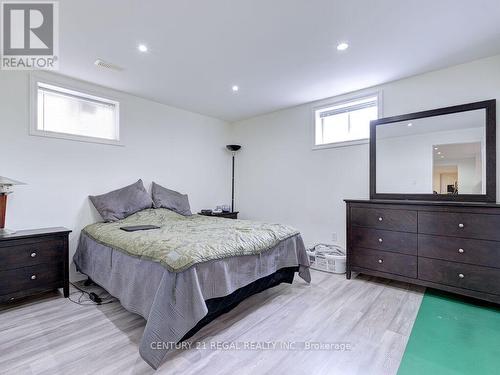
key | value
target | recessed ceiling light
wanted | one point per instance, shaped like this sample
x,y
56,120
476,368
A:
x,y
235,88
442,156
410,124
439,152
342,46
142,48
436,148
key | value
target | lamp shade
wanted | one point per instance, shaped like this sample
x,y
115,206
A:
x,y
233,148
7,183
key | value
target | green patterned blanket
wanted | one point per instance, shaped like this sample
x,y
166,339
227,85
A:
x,y
182,242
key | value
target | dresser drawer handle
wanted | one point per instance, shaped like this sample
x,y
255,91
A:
x,y
461,251
380,261
380,240
461,275
33,277
460,225
380,218
33,255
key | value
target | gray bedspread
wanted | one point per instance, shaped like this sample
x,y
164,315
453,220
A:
x,y
174,302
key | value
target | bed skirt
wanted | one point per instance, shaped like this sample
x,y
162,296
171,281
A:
x,y
176,305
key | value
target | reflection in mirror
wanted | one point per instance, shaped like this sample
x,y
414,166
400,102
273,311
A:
x,y
457,168
433,155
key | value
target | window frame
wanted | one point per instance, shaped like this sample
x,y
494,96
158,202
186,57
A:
x,y
340,101
81,90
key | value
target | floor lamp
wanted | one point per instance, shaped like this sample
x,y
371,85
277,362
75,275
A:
x,y
6,187
233,149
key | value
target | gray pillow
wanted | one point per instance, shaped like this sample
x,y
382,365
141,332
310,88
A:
x,y
118,204
173,200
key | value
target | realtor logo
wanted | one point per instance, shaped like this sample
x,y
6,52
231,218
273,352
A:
x,y
29,37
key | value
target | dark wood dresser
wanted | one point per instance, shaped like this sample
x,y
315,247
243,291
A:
x,y
453,246
33,261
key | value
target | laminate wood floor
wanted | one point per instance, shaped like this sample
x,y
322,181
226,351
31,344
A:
x,y
51,335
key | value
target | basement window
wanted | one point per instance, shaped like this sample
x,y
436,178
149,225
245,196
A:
x,y
345,123
61,112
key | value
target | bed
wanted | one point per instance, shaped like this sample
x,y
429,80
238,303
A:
x,y
189,271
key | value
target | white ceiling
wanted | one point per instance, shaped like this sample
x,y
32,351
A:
x,y
458,151
280,52
430,125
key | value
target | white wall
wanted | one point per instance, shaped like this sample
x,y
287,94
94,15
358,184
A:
x,y
278,175
178,149
280,178
467,176
405,164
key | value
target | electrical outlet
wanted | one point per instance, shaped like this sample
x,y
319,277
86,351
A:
x,y
334,237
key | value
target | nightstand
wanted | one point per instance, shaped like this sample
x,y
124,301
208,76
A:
x,y
226,215
34,261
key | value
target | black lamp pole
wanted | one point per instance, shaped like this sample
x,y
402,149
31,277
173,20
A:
x,y
232,188
233,149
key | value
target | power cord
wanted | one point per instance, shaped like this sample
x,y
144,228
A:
x,y
93,298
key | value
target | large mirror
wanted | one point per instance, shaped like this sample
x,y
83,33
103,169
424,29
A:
x,y
443,154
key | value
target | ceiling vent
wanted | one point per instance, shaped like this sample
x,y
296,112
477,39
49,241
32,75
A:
x,y
106,65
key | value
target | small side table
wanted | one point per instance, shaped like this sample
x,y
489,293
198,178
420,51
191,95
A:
x,y
33,261
225,215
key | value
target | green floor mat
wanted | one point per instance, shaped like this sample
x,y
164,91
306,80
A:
x,y
453,335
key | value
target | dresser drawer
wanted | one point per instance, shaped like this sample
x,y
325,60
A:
x,y
460,275
463,250
41,276
382,218
480,226
384,261
379,239
27,254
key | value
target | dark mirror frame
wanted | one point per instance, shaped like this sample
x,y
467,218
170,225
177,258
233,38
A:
x,y
491,179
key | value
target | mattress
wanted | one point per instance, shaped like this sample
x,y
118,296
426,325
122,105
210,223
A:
x,y
183,241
